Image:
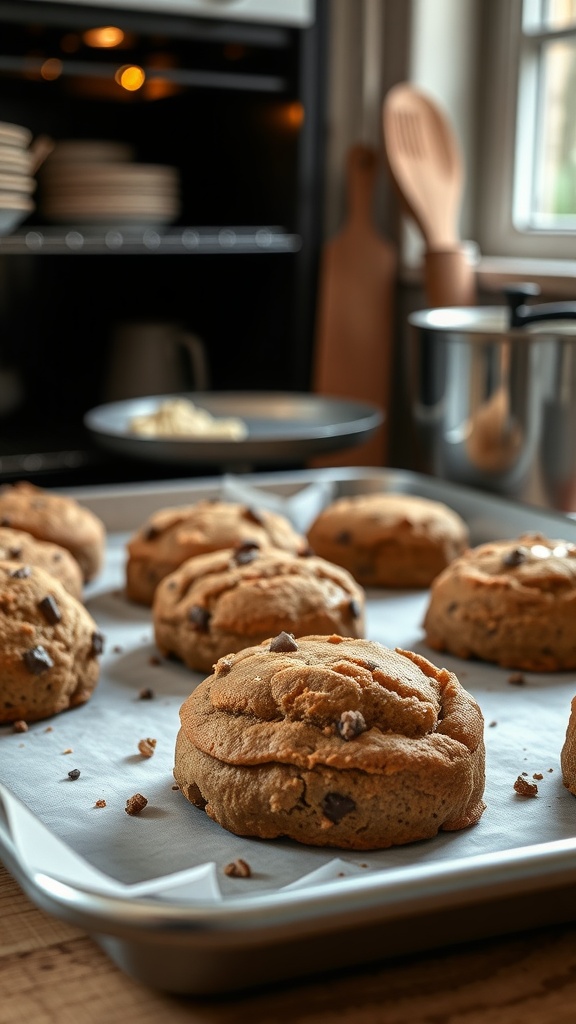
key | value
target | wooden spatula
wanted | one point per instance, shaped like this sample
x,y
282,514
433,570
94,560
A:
x,y
426,167
354,329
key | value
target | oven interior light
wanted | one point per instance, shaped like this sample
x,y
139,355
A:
x,y
105,37
130,77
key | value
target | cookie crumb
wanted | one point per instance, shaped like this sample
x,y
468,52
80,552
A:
x,y
49,728
74,774
20,726
517,679
154,660
525,788
492,724
238,869
146,694
100,803
176,787
147,747
135,804
538,775
68,750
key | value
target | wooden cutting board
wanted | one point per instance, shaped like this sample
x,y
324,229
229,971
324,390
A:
x,y
353,343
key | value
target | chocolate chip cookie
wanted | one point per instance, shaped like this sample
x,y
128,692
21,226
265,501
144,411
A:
x,y
511,602
389,540
332,741
226,600
19,546
49,645
568,751
57,518
172,535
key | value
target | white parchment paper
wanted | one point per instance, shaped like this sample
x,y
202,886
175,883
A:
x,y
525,729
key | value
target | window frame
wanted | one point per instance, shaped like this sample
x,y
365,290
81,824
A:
x,y
507,82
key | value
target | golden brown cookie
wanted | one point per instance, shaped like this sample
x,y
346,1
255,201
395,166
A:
x,y
219,603
389,540
49,645
172,535
19,546
57,518
332,742
512,602
568,751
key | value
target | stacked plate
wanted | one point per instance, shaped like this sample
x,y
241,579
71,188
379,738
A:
x,y
17,183
96,184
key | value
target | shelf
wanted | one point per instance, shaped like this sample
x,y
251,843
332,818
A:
x,y
132,240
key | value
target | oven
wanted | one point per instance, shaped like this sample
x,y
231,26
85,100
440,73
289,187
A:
x,y
232,105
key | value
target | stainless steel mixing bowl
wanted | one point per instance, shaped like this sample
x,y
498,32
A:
x,y
493,397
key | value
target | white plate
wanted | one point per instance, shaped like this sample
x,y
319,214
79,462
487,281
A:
x,y
10,219
17,182
14,134
282,427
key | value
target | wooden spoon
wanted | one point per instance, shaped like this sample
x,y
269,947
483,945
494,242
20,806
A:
x,y
426,166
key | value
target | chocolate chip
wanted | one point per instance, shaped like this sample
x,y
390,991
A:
x,y
50,610
37,660
344,537
146,694
515,556
246,552
254,515
74,774
351,724
14,552
97,644
5,521
283,643
368,663
355,608
199,617
151,532
336,806
21,573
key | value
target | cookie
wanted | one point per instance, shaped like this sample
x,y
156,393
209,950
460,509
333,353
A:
x,y
332,741
568,751
511,602
49,645
19,546
389,540
57,518
172,535
219,603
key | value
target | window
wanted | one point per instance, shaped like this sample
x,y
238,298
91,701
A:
x,y
527,157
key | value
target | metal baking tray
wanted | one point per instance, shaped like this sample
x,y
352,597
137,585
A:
x,y
304,910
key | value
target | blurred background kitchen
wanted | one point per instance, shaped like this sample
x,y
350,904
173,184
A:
x,y
206,197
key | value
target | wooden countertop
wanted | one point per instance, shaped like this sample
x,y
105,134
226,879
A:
x,y
52,973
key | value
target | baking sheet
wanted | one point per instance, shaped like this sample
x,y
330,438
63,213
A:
x,y
292,886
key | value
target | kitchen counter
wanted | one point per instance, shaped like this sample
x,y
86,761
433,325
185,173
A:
x,y
53,973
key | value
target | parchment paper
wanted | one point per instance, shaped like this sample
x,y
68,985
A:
x,y
525,730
